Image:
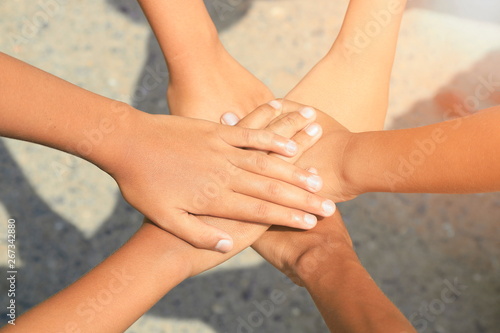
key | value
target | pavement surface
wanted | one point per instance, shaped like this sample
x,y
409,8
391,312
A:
x,y
70,215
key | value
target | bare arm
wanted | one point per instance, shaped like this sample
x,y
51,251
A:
x,y
119,290
323,260
356,91
456,156
183,29
351,83
150,156
38,107
205,80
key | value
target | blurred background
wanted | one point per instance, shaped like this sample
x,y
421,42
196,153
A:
x,y
70,215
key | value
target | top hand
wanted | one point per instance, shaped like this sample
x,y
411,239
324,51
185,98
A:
x,y
327,155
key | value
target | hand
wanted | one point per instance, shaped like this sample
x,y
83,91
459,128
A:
x,y
292,125
329,155
299,253
220,84
175,167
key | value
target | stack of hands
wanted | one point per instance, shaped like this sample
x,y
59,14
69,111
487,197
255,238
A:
x,y
213,177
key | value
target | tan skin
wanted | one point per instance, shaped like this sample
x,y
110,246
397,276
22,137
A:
x,y
101,300
172,260
354,314
150,156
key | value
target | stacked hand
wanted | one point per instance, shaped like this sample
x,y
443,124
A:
x,y
209,174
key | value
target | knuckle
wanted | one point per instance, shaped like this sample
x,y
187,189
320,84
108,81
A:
x,y
261,162
246,135
262,210
274,189
290,121
311,200
203,240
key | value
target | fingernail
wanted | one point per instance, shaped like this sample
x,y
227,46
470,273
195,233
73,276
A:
x,y
230,118
312,129
291,147
314,182
310,220
224,245
307,112
313,170
276,105
328,207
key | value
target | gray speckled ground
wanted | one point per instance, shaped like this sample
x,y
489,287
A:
x,y
70,216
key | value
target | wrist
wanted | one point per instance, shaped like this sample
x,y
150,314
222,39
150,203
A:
x,y
106,142
167,253
328,257
185,65
356,170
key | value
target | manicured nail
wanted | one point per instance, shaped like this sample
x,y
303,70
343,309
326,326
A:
x,y
230,119
276,105
315,182
313,129
291,147
307,112
310,219
328,207
224,245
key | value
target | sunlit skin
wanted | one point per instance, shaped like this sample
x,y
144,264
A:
x,y
150,156
321,259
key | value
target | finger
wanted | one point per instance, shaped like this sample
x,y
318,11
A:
x,y
305,139
272,167
257,119
283,194
245,208
291,123
290,106
257,139
197,233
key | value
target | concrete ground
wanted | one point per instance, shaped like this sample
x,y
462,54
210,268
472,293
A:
x,y
70,216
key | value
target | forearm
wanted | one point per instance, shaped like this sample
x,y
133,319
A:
x,y
351,83
367,45
370,32
183,29
118,291
347,297
458,156
39,107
